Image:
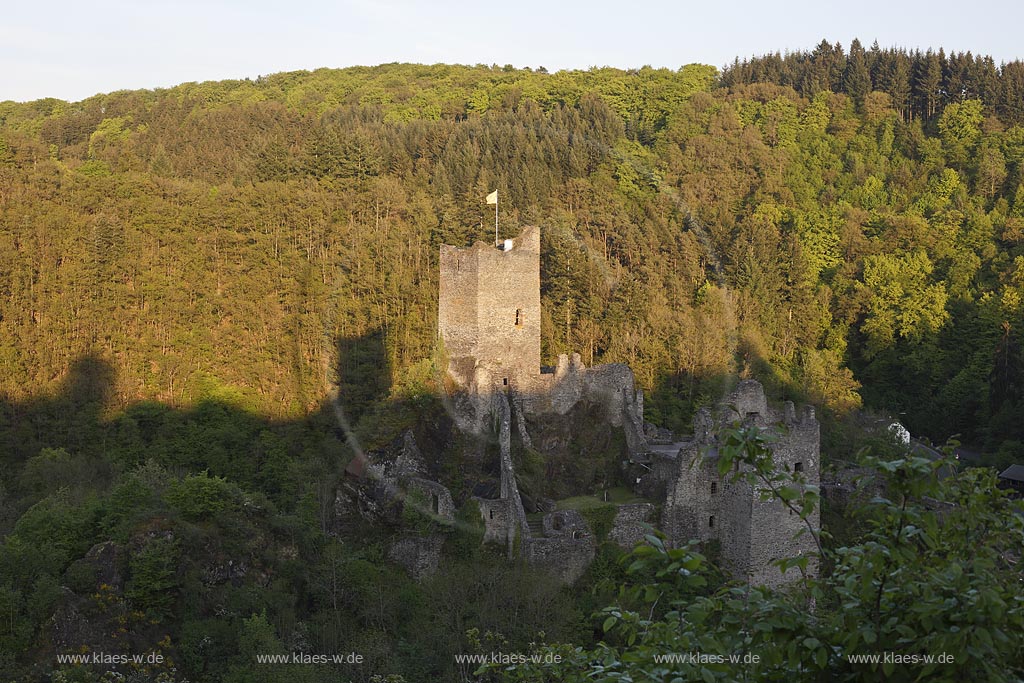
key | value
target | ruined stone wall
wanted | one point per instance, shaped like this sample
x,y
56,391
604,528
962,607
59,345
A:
x,y
612,387
509,487
566,548
504,518
705,506
685,506
489,310
564,556
734,527
631,524
652,475
775,530
420,556
436,499
498,518
752,533
567,523
773,537
746,401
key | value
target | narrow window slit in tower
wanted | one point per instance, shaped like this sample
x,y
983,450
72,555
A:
x,y
519,317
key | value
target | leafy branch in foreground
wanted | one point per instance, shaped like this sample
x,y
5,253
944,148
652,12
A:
x,y
931,591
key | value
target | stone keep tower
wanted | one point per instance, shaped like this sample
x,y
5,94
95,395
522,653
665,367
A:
x,y
489,312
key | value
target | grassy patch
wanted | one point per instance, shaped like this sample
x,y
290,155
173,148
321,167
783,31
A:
x,y
619,495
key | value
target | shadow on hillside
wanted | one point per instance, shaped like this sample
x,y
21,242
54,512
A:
x,y
115,554
676,397
364,373
219,432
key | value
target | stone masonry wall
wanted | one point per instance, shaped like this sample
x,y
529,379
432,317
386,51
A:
x,y
457,320
567,547
564,556
489,310
436,498
775,529
420,556
498,518
631,524
752,533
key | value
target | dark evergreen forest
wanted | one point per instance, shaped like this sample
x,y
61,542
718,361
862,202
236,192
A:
x,y
188,276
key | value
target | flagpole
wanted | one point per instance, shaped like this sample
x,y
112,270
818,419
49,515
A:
x,y
492,198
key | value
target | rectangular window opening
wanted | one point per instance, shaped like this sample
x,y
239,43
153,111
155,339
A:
x,y
798,467
519,317
711,522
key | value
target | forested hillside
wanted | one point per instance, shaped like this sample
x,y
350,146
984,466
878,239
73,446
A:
x,y
187,274
237,233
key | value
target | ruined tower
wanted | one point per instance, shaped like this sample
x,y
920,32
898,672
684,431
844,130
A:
x,y
753,530
489,312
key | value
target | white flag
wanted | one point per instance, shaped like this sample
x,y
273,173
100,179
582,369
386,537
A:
x,y
492,198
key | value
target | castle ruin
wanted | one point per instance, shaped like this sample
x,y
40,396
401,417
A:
x,y
751,530
489,313
489,324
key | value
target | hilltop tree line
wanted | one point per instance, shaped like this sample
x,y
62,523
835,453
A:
x,y
920,84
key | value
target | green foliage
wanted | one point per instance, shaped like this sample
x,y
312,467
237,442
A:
x,y
47,536
417,515
960,128
692,228
154,576
600,519
933,575
50,469
200,496
902,302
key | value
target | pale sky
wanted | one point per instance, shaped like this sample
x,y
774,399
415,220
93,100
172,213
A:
x,y
72,50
